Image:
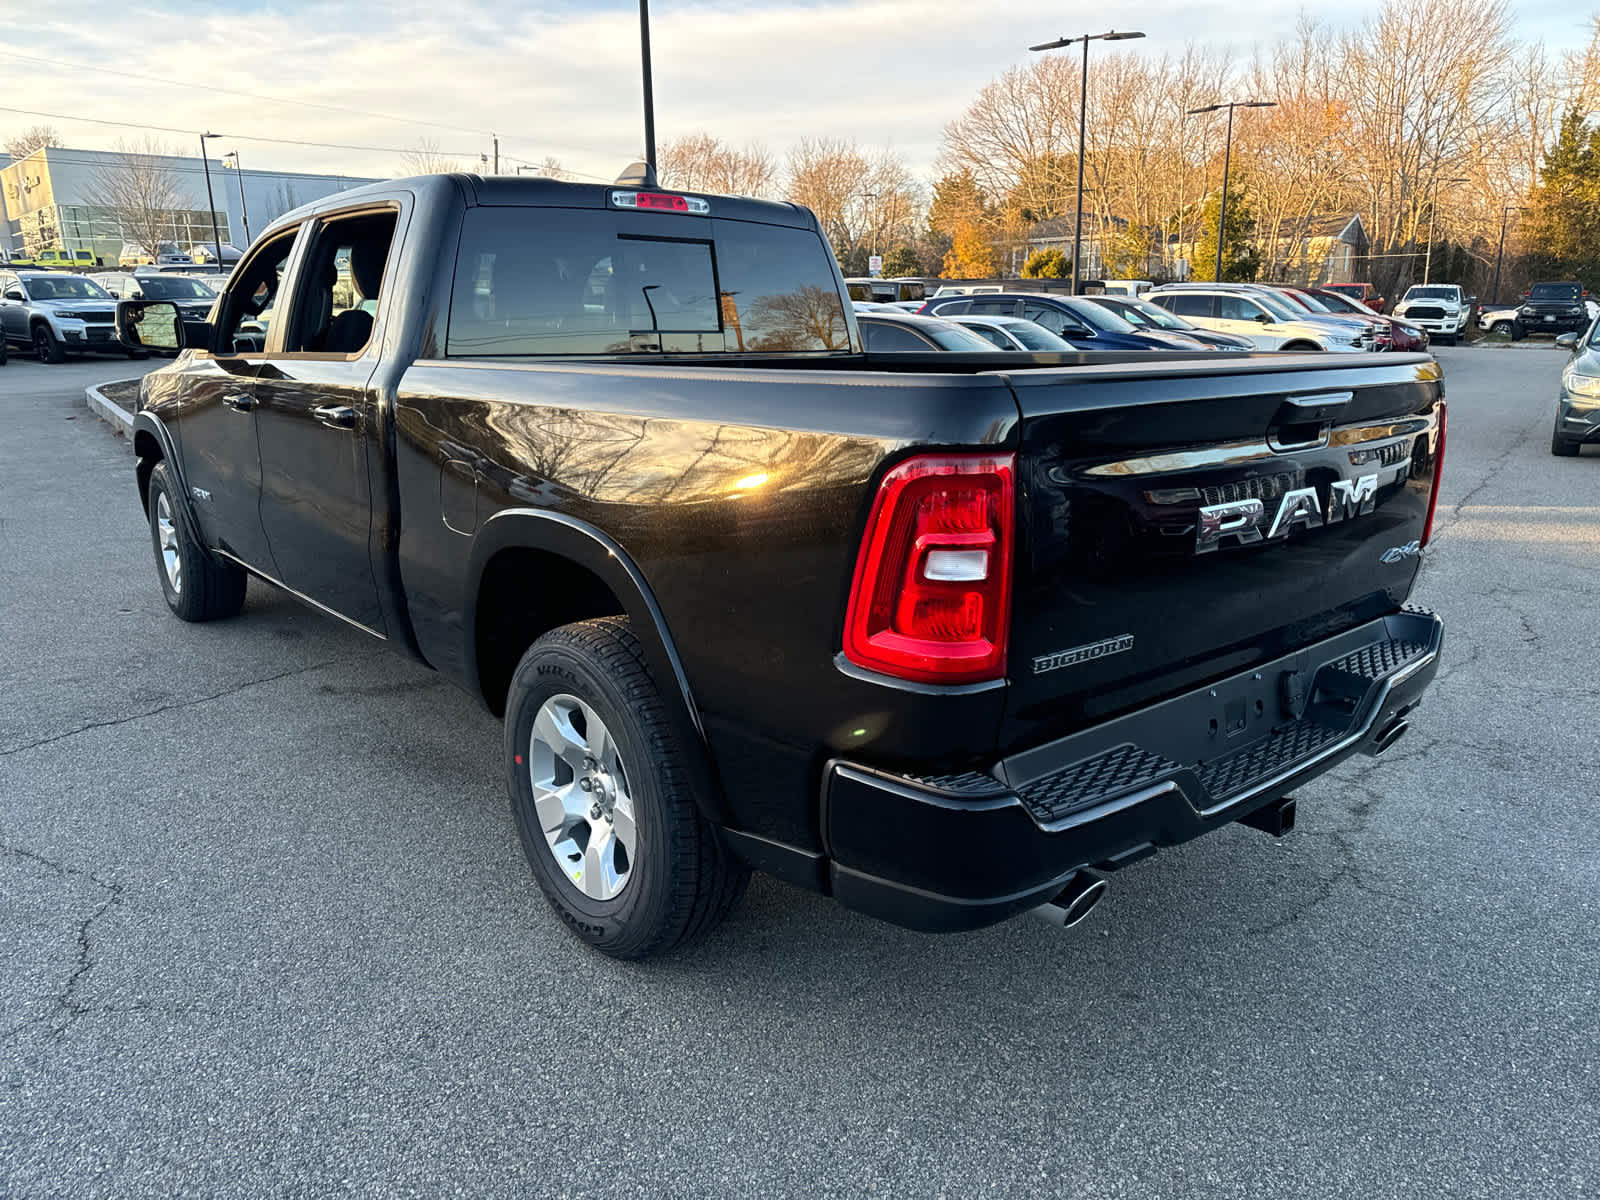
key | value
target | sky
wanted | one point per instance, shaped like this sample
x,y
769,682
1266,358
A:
x,y
562,79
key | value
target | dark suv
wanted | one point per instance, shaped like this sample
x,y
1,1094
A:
x,y
1552,308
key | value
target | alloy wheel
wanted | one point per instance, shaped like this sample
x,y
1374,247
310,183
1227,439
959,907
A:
x,y
581,797
167,533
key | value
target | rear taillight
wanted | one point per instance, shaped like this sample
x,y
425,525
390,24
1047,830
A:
x,y
1438,474
932,590
660,202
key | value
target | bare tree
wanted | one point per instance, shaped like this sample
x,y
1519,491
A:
x,y
427,159
142,191
860,197
702,163
29,140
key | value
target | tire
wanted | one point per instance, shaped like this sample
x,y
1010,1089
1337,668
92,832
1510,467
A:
x,y
198,586
3,351
1300,347
47,347
675,880
1518,331
1563,447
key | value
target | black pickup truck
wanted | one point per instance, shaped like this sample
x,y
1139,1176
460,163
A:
x,y
946,636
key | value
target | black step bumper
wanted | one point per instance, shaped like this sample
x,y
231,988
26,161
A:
x,y
959,852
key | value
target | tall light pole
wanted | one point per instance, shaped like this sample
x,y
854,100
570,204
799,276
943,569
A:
x,y
238,173
211,203
1427,255
1499,255
1227,162
1083,117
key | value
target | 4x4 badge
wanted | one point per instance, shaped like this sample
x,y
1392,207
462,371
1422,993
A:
x,y
1083,654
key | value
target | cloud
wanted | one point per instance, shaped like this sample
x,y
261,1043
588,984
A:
x,y
563,80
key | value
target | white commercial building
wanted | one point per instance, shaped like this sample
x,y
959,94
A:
x,y
56,197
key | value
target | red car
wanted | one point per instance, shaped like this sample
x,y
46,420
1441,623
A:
x,y
1365,293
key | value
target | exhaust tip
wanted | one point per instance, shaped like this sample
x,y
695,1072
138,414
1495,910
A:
x,y
1074,902
1389,736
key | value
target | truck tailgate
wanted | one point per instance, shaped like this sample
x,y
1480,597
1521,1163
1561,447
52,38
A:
x,y
1180,522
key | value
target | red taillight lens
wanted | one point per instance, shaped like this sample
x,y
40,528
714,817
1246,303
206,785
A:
x,y
1438,474
932,592
660,202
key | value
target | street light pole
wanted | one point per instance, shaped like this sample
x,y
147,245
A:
x,y
211,202
1083,120
244,213
1227,162
1499,255
1427,255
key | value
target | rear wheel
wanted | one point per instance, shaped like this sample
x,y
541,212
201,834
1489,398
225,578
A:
x,y
1301,347
46,348
601,788
197,585
1563,447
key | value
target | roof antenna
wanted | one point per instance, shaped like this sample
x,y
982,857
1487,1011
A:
x,y
643,174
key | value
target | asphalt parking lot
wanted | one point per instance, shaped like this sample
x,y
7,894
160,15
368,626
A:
x,y
268,931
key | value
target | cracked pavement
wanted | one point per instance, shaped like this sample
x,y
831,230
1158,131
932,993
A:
x,y
268,931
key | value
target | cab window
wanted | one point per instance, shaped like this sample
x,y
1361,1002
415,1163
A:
x,y
340,282
253,296
1237,308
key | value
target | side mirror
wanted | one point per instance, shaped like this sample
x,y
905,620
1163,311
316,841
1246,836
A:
x,y
16,294
149,325
1263,318
1568,341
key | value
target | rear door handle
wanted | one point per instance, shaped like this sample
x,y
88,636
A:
x,y
336,416
240,402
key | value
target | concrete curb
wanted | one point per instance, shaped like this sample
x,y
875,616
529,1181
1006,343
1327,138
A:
x,y
110,411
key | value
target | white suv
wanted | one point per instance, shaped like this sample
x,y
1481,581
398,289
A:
x,y
1440,308
1265,320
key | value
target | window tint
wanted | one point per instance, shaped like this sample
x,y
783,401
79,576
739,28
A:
x,y
1186,304
1056,320
989,333
1237,308
881,336
993,308
564,281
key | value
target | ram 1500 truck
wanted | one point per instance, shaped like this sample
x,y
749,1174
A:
x,y
945,636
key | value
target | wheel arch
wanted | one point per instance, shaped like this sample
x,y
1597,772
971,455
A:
x,y
595,577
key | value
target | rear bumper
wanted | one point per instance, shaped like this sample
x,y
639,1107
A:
x,y
959,852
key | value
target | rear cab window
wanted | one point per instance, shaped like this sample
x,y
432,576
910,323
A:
x,y
563,281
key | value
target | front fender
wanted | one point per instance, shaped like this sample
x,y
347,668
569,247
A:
x,y
146,424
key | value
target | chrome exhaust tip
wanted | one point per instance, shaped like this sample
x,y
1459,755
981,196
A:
x,y
1389,736
1074,902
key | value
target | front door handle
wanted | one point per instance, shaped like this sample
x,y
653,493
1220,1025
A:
x,y
336,416
240,402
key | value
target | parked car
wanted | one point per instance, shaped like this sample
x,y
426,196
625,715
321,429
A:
x,y
1144,315
206,252
135,255
54,312
1443,309
1578,406
1126,287
57,258
1075,318
1497,320
1365,293
897,332
1014,333
885,291
194,297
1554,307
1379,327
941,641
1269,322
1402,336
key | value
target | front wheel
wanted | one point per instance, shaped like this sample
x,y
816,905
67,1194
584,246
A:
x,y
1518,331
1562,447
46,347
197,585
601,789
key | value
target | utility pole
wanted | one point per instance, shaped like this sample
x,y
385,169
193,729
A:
x,y
1499,255
1083,113
496,137
211,203
1427,257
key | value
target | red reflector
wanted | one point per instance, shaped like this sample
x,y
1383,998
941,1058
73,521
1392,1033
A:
x,y
656,200
1438,474
906,620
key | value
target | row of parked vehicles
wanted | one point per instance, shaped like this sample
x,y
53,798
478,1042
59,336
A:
x,y
1184,316
61,258
54,313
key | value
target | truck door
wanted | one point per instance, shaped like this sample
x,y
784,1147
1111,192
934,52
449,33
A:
x,y
317,418
216,426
